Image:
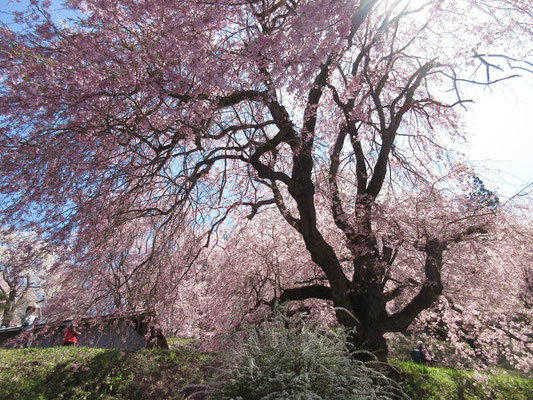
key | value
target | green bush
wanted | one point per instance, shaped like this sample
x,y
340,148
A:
x,y
274,362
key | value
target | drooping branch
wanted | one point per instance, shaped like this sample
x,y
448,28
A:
x,y
304,293
339,216
360,161
360,15
428,293
432,287
257,205
284,211
388,131
222,101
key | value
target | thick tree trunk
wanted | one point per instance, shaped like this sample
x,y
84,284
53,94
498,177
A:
x,y
143,325
366,339
9,310
369,306
7,315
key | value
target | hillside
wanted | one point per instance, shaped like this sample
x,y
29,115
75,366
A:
x,y
87,373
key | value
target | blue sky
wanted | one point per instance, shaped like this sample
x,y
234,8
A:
x,y
8,6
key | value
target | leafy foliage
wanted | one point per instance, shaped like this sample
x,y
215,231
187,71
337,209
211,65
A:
x,y
482,197
280,362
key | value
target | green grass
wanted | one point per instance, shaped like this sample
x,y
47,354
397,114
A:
x,y
182,343
87,373
430,383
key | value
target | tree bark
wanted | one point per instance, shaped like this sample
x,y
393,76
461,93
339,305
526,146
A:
x,y
9,310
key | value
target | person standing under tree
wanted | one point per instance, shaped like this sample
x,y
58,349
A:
x,y
418,355
28,320
71,335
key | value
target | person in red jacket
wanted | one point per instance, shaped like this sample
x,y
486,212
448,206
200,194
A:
x,y
71,336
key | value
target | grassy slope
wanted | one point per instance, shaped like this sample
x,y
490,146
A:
x,y
84,373
430,383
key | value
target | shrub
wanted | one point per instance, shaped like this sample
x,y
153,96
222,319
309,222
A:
x,y
275,362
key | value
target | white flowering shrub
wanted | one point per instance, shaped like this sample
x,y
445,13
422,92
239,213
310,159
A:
x,y
274,362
